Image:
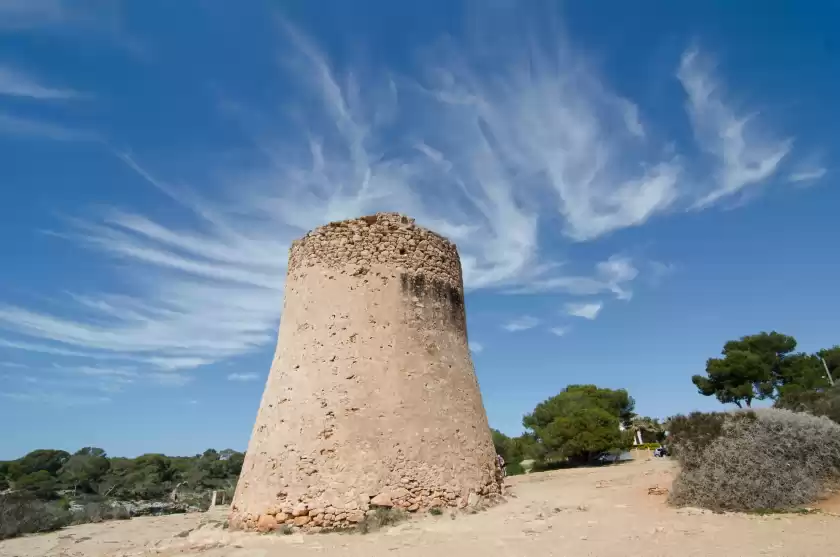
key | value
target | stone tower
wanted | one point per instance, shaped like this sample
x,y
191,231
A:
x,y
372,399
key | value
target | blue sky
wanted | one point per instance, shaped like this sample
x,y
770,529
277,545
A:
x,y
629,187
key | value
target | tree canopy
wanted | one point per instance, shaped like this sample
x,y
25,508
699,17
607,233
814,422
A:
x,y
581,422
765,366
752,368
90,471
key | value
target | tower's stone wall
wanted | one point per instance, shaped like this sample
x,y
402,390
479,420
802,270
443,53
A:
x,y
372,398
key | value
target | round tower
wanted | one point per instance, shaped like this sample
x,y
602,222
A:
x,y
372,399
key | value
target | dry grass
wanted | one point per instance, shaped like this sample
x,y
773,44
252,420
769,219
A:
x,y
380,518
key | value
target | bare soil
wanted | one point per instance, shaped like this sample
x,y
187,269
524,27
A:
x,y
617,511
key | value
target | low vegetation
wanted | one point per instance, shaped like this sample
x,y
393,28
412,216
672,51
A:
x,y
754,460
765,366
574,428
748,460
380,518
49,489
23,514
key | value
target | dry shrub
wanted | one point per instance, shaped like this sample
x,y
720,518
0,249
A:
x,y
100,512
21,514
381,517
754,460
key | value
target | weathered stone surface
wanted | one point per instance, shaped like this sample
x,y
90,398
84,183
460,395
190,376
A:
x,y
399,493
382,500
370,302
266,523
356,516
301,521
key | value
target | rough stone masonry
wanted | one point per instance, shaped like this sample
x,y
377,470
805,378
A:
x,y
372,400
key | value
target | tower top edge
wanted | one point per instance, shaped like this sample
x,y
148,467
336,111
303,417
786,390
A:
x,y
384,239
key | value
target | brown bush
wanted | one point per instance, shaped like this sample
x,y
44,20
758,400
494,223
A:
x,y
754,460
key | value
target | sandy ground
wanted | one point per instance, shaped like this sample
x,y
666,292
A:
x,y
601,512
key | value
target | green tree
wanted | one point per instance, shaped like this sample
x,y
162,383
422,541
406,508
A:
x,y
751,368
581,421
832,360
41,484
501,443
48,460
234,464
85,469
652,430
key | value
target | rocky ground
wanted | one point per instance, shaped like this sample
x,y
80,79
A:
x,y
611,511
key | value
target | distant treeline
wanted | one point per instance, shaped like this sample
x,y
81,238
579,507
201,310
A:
x,y
49,474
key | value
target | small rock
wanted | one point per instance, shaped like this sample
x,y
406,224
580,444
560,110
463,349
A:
x,y
300,510
266,523
281,517
382,500
399,493
473,500
356,516
302,520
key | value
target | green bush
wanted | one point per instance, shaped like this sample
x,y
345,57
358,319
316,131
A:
x,y
514,469
754,460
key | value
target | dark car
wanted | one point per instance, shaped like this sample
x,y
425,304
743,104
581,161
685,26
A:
x,y
661,451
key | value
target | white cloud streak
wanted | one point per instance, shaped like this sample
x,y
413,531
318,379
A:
x,y
745,156
612,275
36,129
559,331
243,376
54,398
31,13
588,310
476,347
486,159
15,83
521,324
807,175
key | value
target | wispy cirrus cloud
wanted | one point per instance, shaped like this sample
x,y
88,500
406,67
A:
x,y
36,129
243,377
521,324
587,310
14,83
745,154
476,347
20,14
54,398
612,275
71,19
807,174
559,331
536,152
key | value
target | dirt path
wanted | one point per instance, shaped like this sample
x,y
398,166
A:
x,y
600,512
